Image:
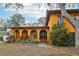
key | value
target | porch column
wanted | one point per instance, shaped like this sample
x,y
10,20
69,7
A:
x,y
38,35
20,32
29,33
48,36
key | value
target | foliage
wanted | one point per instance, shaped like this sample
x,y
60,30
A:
x,y
14,5
35,41
11,38
42,21
2,32
24,40
60,37
77,23
17,20
27,40
8,23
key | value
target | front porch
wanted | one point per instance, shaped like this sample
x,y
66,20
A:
x,y
42,34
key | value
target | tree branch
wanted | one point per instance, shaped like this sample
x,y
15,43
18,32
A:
x,y
65,14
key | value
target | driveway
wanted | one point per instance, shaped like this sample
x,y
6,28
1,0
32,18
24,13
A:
x,y
35,49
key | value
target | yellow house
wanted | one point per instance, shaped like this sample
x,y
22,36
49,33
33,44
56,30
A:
x,y
42,33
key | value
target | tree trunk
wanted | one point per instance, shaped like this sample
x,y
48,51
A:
x,y
65,14
77,35
72,21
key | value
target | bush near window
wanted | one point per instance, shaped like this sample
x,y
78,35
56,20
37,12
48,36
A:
x,y
60,36
22,40
29,40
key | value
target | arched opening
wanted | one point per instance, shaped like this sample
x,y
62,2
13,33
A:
x,y
33,34
16,34
43,36
25,34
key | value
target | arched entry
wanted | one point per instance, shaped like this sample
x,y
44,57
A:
x,y
43,36
24,34
16,34
33,34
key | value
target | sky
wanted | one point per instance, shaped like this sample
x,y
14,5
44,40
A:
x,y
3,13
31,11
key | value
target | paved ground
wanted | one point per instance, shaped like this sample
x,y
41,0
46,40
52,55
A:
x,y
33,49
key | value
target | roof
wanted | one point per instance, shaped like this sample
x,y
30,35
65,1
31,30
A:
x,y
49,12
29,27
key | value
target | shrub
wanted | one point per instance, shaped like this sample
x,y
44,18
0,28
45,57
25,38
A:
x,y
18,40
24,40
60,36
8,38
35,41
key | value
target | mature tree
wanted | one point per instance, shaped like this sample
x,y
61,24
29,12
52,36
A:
x,y
74,22
69,18
65,14
42,21
7,22
17,20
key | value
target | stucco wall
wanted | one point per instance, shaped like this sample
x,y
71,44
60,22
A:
x,y
29,32
54,20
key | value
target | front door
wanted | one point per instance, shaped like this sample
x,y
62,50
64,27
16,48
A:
x,y
43,36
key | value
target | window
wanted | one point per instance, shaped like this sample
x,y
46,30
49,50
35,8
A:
x,y
60,20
